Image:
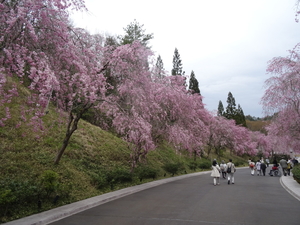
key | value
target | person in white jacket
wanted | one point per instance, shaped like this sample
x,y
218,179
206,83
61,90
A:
x,y
215,173
258,168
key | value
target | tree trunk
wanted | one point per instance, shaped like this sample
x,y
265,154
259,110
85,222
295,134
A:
x,y
72,126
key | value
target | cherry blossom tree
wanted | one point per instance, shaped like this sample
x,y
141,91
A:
x,y
225,133
282,97
77,71
186,119
57,62
263,143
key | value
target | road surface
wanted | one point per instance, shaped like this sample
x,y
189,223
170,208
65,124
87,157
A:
x,y
196,201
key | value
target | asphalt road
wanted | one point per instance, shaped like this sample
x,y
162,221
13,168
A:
x,y
195,200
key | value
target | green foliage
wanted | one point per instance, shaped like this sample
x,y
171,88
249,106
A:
x,y
194,85
146,172
232,112
119,175
173,168
220,109
231,107
177,64
99,180
16,195
205,164
95,162
6,196
239,163
296,172
193,165
160,67
135,32
49,182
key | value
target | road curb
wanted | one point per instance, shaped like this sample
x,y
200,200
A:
x,y
289,190
62,212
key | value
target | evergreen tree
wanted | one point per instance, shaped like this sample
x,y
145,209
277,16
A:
x,y
231,107
159,67
194,85
220,109
177,64
111,41
134,32
234,113
240,117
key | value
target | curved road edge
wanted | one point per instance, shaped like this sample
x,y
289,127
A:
x,y
50,216
61,212
291,186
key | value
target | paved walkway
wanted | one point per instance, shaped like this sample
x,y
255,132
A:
x,y
65,211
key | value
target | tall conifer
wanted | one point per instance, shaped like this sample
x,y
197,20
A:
x,y
194,85
159,67
231,107
240,117
135,32
220,109
177,64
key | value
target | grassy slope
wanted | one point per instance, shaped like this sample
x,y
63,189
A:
x,y
257,125
92,151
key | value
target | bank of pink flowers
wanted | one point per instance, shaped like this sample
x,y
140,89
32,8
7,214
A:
x,y
69,67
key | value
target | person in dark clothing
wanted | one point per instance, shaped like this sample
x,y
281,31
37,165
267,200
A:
x,y
283,164
295,161
263,168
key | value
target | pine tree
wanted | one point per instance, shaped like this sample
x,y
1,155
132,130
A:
x,y
231,107
194,85
159,67
220,109
234,113
134,32
177,64
240,117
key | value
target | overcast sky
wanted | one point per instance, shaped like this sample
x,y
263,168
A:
x,y
227,43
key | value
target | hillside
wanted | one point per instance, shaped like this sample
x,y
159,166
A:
x,y
95,162
257,125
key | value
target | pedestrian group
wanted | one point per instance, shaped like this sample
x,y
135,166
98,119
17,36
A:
x,y
226,169
259,167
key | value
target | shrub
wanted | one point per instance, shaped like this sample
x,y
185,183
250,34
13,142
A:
x,y
99,180
144,172
239,163
296,172
6,198
119,175
49,182
173,168
193,165
205,164
15,194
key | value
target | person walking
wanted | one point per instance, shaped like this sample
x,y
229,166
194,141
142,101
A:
x,y
230,171
289,167
268,162
215,173
258,169
252,167
223,169
283,164
263,168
